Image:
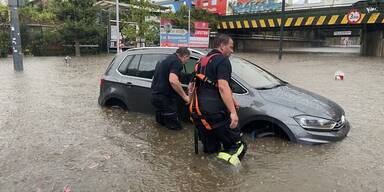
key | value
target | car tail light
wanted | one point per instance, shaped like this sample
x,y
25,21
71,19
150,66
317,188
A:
x,y
102,82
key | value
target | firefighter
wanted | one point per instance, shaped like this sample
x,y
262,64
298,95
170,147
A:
x,y
213,107
167,89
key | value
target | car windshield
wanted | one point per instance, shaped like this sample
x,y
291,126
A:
x,y
253,75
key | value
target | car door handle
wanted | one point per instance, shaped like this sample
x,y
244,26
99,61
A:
x,y
129,84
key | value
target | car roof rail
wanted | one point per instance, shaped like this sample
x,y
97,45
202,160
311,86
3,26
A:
x,y
148,48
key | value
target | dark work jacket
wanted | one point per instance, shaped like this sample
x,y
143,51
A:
x,y
219,67
160,82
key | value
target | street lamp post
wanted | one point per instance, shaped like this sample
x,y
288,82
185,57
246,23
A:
x,y
118,28
282,29
189,25
15,36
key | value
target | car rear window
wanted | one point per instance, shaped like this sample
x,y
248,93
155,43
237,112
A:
x,y
116,61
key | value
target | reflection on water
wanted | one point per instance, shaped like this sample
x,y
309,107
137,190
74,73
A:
x,y
53,133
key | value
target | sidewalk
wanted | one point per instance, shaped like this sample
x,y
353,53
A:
x,y
328,50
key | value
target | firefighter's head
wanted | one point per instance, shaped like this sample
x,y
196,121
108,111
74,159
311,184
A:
x,y
224,43
183,54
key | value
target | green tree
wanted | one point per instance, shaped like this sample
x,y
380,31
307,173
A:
x,y
180,18
141,22
79,22
32,15
35,22
5,41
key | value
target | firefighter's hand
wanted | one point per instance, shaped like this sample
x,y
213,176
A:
x,y
186,100
234,120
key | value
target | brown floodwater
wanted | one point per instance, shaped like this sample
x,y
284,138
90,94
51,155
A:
x,y
54,134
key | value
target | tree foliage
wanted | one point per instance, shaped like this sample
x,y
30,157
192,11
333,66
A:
x,y
141,24
4,31
180,18
3,14
78,22
32,15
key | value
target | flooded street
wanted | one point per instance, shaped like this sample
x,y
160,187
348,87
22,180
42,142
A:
x,y
54,134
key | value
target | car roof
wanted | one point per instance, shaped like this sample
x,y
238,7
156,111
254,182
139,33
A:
x,y
164,50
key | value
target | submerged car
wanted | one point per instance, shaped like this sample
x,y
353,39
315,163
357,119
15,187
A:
x,y
268,105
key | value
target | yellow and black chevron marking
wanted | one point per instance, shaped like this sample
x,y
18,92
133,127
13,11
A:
x,y
301,21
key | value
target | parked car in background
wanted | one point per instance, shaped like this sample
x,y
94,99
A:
x,y
268,105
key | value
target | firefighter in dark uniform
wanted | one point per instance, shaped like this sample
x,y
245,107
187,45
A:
x,y
213,107
167,89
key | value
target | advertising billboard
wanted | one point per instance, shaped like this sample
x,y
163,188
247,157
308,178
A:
x,y
252,6
174,5
214,6
176,37
233,7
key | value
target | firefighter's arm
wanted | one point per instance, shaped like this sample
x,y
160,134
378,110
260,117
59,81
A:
x,y
237,106
226,95
176,85
191,88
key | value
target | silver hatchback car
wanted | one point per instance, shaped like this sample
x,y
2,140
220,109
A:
x,y
268,105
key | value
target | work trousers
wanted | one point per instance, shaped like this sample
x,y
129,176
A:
x,y
221,137
166,109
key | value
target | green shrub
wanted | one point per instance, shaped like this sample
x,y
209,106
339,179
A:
x,y
5,43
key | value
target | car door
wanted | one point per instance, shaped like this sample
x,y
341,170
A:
x,y
186,74
128,70
185,78
142,88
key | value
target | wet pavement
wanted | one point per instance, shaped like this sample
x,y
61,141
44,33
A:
x,y
54,134
340,50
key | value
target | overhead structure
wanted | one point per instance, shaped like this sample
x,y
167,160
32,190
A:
x,y
108,5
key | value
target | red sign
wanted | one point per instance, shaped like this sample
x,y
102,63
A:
x,y
354,16
201,25
201,36
213,6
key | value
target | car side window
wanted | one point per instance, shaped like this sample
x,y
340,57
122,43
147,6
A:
x,y
124,65
186,74
132,67
236,88
148,64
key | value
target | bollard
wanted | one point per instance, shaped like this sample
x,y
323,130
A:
x,y
339,75
67,60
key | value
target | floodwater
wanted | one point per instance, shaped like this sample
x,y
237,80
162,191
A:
x,y
54,134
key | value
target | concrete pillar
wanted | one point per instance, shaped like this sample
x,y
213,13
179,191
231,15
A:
x,y
239,45
372,42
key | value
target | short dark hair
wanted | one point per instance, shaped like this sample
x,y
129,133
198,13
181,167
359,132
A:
x,y
183,51
221,39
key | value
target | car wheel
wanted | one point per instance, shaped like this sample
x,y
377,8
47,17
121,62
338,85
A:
x,y
116,104
262,128
260,133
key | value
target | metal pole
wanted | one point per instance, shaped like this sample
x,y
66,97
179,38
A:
x,y
282,29
15,36
189,24
118,28
109,31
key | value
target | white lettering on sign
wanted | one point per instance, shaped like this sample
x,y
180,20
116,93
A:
x,y
370,9
342,33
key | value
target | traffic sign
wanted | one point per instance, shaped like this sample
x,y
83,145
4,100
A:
x,y
354,16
